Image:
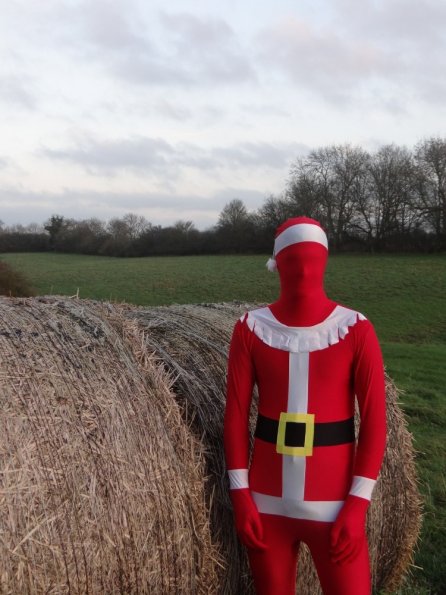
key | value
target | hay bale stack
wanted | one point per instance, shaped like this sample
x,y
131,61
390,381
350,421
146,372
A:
x,y
101,482
192,342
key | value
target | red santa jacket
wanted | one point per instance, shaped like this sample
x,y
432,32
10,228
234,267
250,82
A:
x,y
305,461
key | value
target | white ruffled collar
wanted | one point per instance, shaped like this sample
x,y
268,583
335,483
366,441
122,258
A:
x,y
299,339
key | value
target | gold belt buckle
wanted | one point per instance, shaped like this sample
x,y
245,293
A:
x,y
307,449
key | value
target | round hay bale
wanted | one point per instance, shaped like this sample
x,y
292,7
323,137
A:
x,y
102,485
192,342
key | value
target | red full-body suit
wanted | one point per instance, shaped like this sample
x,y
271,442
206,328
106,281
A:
x,y
309,357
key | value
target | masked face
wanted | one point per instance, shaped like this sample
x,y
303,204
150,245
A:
x,y
301,251
302,266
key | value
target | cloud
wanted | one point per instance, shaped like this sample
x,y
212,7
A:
x,y
150,70
320,61
393,21
374,51
259,154
117,37
264,110
382,53
149,156
194,52
27,205
112,26
110,156
210,32
22,205
209,48
172,110
152,48
15,90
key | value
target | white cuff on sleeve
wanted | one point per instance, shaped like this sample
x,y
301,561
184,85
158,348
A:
x,y
362,487
238,478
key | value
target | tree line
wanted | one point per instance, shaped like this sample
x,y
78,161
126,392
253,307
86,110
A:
x,y
392,199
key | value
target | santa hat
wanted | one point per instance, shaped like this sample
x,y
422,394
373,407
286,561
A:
x,y
293,231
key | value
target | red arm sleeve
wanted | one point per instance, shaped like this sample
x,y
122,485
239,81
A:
x,y
240,383
347,534
370,391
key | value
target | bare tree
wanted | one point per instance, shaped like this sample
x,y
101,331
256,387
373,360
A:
x,y
136,224
385,205
184,227
303,192
235,227
430,158
34,227
325,184
233,215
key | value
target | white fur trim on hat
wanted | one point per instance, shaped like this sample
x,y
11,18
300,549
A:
x,y
271,265
301,232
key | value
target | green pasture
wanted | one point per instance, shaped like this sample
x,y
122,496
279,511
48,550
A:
x,y
404,296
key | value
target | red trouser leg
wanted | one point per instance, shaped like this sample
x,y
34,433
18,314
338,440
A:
x,y
275,570
351,578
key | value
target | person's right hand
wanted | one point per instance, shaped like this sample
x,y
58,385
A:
x,y
247,519
348,531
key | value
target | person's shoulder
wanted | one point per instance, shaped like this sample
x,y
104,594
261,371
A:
x,y
246,324
346,310
360,324
253,314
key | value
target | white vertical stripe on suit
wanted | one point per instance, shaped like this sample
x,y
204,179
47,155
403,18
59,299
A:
x,y
293,467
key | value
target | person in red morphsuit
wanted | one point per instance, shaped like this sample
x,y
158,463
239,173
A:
x,y
307,481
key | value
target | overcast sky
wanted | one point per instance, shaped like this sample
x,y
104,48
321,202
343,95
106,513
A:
x,y
172,109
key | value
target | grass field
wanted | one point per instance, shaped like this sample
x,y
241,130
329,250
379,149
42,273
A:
x,y
404,296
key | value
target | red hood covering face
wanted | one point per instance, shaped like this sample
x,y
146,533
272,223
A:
x,y
301,268
301,258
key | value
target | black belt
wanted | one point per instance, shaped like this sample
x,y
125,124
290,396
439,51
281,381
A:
x,y
325,433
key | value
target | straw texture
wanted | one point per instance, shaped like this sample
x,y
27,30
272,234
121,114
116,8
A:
x,y
102,484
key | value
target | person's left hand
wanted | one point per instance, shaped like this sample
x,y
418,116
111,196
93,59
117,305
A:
x,y
348,531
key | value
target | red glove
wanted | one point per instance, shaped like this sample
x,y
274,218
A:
x,y
348,531
247,519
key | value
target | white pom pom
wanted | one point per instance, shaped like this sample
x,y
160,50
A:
x,y
271,265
